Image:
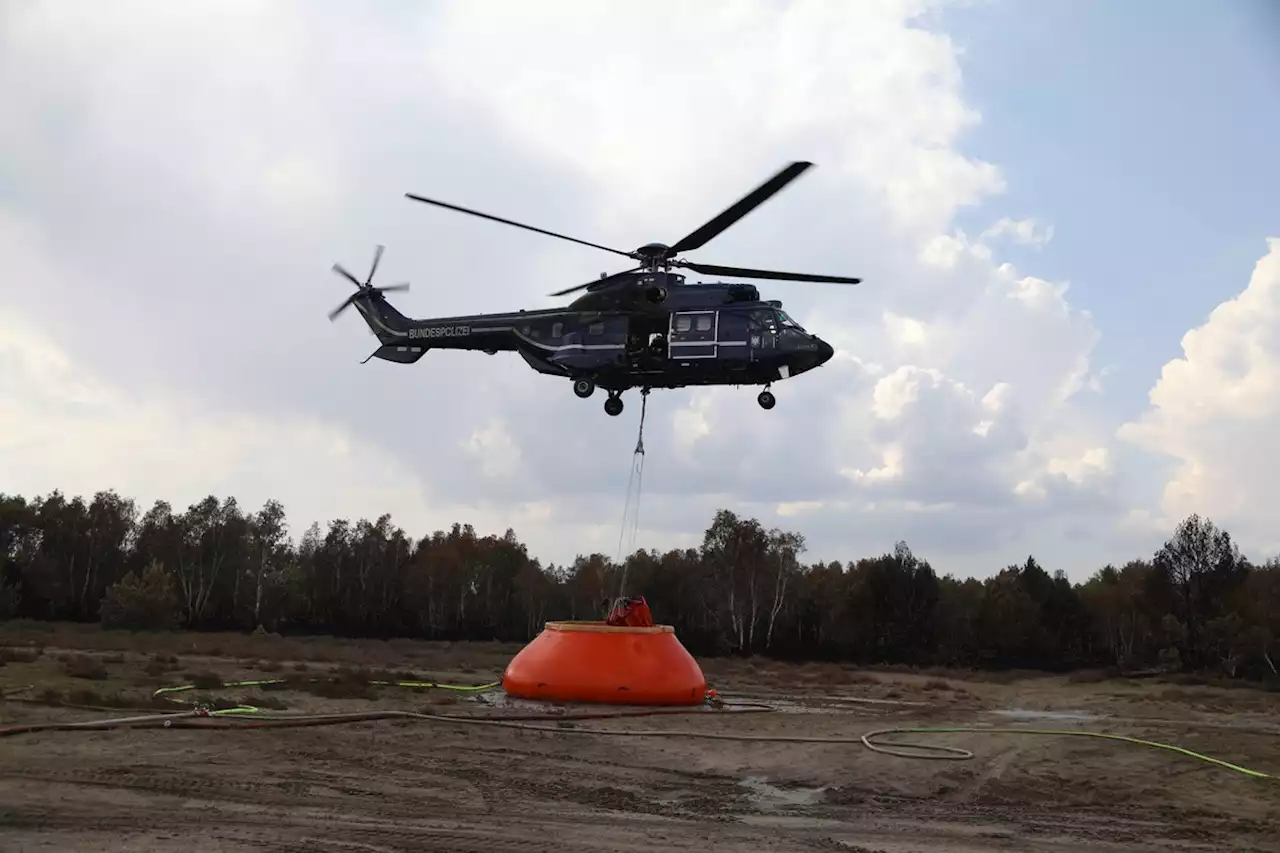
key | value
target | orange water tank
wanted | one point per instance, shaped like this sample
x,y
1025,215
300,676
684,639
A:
x,y
596,662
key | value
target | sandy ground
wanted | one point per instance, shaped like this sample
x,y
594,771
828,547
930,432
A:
x,y
433,786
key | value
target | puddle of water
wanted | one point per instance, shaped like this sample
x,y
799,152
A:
x,y
768,797
781,704
787,706
1065,716
866,700
498,699
846,705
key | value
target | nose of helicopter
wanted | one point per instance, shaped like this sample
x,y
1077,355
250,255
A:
x,y
818,353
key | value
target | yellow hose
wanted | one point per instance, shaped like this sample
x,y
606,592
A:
x,y
923,750
887,750
166,692
900,749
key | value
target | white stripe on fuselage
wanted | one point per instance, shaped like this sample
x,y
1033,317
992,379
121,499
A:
x,y
375,318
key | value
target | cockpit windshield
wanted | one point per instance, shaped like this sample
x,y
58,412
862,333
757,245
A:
x,y
787,322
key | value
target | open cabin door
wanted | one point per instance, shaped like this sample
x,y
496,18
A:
x,y
692,334
762,330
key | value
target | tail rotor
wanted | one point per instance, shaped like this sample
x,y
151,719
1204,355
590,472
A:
x,y
365,289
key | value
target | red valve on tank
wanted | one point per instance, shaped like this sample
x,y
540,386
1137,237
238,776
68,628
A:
x,y
630,613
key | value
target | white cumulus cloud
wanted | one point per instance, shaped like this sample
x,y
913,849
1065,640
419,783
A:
x,y
178,178
1216,411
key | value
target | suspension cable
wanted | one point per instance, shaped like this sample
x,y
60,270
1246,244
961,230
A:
x,y
636,478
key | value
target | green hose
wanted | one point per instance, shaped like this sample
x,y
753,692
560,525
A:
x,y
900,749
236,717
923,750
933,751
167,692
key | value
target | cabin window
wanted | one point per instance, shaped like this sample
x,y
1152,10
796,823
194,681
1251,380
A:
x,y
704,323
596,328
683,324
557,330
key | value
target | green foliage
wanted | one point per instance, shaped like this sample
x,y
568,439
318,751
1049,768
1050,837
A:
x,y
141,602
1194,604
8,602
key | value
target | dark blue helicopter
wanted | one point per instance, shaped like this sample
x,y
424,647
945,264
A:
x,y
642,328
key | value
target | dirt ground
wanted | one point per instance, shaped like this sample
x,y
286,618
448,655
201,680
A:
x,y
444,786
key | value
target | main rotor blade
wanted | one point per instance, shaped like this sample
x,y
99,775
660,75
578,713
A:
x,y
516,224
744,272
609,279
340,270
740,208
404,285
377,256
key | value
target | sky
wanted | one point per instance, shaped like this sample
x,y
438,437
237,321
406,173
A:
x,y
1066,215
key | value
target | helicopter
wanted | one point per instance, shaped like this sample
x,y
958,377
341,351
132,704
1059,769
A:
x,y
640,328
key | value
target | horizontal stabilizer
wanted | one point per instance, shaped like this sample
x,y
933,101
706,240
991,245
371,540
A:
x,y
400,354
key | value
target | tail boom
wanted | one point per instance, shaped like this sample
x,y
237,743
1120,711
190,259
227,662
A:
x,y
405,340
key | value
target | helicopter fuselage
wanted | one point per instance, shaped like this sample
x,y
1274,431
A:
x,y
656,333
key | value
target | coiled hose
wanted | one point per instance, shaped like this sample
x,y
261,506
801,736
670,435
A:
x,y
249,717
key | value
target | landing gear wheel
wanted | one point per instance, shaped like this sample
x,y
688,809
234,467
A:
x,y
584,388
613,405
767,400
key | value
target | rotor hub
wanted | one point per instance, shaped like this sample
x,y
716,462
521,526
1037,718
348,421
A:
x,y
653,252
363,289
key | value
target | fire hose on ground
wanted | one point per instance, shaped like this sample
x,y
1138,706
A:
x,y
249,717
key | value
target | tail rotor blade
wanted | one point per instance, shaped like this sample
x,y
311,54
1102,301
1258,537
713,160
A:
x,y
366,289
342,271
333,315
377,256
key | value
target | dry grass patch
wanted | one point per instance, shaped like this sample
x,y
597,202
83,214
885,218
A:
x,y
267,702
158,665
265,650
20,655
203,680
85,666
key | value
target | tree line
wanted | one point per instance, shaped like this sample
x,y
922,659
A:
x,y
1195,604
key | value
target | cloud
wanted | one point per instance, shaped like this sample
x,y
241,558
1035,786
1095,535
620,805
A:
x,y
1215,411
181,178
870,95
64,427
1022,232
